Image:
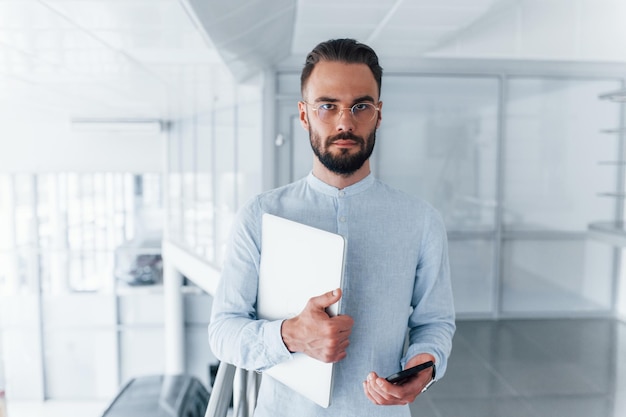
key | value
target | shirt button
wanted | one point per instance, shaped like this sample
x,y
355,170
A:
x,y
342,219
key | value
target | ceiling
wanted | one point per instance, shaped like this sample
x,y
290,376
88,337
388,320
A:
x,y
147,59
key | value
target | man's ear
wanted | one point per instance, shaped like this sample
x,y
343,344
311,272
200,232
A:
x,y
304,121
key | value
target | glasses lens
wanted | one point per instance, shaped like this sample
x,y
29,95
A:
x,y
327,114
363,112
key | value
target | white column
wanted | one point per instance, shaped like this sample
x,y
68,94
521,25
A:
x,y
174,319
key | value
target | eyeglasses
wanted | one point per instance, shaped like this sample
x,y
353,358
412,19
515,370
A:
x,y
331,113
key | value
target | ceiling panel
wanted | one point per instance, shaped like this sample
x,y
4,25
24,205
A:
x,y
314,14
250,35
108,58
411,16
28,15
391,25
555,30
152,58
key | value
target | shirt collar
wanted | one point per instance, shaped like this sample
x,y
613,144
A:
x,y
327,189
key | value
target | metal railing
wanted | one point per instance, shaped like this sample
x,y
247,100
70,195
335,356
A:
x,y
236,383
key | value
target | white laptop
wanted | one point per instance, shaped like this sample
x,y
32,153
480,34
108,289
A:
x,y
299,262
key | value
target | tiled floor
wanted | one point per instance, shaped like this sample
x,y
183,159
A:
x,y
532,368
56,408
508,368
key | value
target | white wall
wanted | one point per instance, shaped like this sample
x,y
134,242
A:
x,y
37,145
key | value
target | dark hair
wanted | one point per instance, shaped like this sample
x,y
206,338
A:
x,y
349,51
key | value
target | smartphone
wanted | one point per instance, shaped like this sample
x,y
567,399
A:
x,y
403,376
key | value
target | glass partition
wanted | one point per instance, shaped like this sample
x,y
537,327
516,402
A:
x,y
205,186
554,153
63,237
517,166
214,166
554,173
174,224
439,140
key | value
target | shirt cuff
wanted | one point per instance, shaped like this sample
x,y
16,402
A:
x,y
276,350
416,349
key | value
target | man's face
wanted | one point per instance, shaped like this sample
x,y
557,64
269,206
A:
x,y
343,161
342,144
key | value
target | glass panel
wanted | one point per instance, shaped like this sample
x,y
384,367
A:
x,y
249,150
553,147
63,229
289,84
471,270
438,140
129,206
620,365
149,221
205,212
552,180
302,159
225,170
621,289
556,276
25,233
188,168
175,193
25,220
8,265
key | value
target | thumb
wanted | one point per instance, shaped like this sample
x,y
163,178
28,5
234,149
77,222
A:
x,y
327,299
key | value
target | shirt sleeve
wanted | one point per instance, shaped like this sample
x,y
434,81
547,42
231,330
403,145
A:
x,y
432,321
236,336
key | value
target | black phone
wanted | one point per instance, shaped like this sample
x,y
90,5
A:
x,y
401,377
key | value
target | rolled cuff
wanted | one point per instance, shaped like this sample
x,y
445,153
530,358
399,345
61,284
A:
x,y
275,350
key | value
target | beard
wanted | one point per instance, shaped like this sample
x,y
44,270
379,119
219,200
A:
x,y
344,163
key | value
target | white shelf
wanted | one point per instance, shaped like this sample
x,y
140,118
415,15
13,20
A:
x,y
612,163
618,96
613,131
609,232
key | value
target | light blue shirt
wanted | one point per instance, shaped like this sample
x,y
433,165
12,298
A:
x,y
396,275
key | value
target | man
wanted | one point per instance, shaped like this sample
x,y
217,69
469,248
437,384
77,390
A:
x,y
396,273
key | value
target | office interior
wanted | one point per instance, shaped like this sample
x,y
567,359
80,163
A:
x,y
132,131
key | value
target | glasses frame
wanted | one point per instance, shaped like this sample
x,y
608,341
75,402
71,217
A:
x,y
341,109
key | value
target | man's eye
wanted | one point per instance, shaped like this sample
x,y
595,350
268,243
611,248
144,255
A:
x,y
326,106
360,106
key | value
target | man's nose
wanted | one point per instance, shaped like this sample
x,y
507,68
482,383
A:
x,y
345,120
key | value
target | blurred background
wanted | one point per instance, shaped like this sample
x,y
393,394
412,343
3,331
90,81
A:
x,y
131,131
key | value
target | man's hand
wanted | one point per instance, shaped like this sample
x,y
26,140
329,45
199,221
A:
x,y
315,333
382,392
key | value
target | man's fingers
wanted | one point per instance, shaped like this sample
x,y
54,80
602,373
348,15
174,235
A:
x,y
384,393
326,300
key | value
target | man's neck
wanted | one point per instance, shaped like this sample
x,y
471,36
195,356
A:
x,y
337,180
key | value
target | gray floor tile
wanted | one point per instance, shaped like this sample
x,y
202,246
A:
x,y
532,368
424,407
484,407
573,406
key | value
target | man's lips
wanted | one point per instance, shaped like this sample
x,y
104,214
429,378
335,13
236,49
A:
x,y
344,142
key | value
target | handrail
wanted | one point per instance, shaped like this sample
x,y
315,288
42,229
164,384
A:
x,y
237,383
222,391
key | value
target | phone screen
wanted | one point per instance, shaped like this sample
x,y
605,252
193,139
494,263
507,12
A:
x,y
402,376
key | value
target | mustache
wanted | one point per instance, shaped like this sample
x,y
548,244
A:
x,y
346,136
